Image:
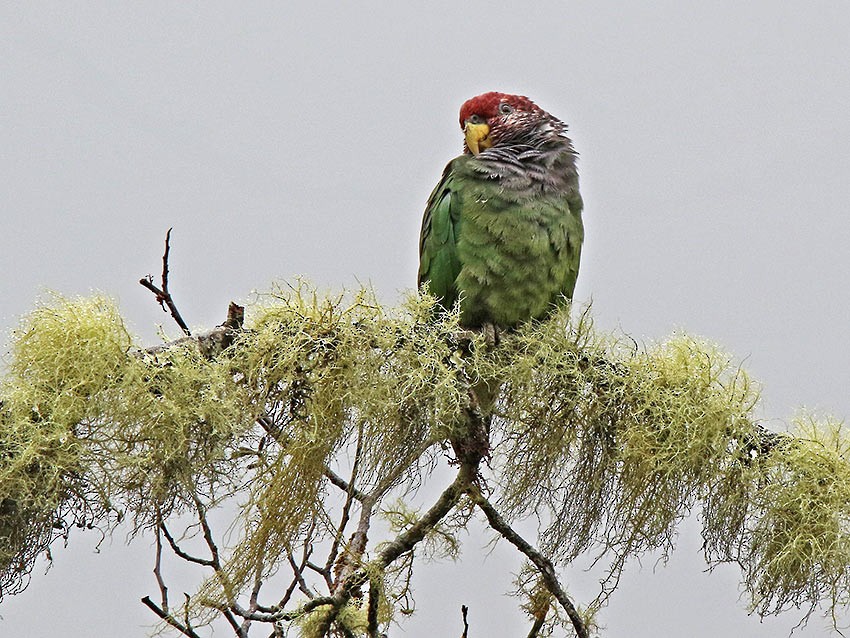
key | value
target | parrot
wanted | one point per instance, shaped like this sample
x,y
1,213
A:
x,y
502,231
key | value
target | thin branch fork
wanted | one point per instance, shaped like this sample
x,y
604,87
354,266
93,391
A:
x,y
215,563
298,571
402,544
346,508
543,564
179,552
171,620
162,610
163,296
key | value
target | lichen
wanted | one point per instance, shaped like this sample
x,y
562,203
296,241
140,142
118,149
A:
x,y
610,443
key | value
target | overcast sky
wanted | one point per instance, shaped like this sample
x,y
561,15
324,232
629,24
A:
x,y
304,138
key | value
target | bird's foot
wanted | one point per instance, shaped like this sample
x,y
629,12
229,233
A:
x,y
491,334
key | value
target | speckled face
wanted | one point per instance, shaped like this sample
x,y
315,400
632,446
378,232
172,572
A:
x,y
492,117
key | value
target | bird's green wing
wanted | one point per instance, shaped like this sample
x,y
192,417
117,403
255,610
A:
x,y
575,237
439,265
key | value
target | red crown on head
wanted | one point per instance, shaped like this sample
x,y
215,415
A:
x,y
487,105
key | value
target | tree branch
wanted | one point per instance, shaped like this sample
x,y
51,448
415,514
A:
x,y
537,625
163,296
208,538
463,611
349,499
212,341
171,620
215,563
402,544
298,571
162,610
253,603
157,569
372,611
543,564
279,614
179,552
405,541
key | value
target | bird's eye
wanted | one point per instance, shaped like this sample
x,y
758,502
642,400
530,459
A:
x,y
505,108
475,118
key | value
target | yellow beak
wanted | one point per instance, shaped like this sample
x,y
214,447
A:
x,y
477,137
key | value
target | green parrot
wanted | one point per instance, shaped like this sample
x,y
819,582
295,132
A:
x,y
502,231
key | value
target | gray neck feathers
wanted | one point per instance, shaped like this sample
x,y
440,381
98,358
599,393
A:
x,y
537,157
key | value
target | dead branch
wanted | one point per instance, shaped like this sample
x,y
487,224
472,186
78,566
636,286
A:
x,y
463,611
346,508
162,610
543,564
372,611
253,603
536,626
179,552
163,296
171,620
157,570
298,571
210,342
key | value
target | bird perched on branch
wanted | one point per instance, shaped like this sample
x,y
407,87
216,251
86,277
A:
x,y
502,230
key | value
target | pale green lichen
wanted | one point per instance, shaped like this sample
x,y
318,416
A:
x,y
350,617
617,444
62,353
612,444
797,549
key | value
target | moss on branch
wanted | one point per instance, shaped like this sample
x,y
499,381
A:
x,y
616,443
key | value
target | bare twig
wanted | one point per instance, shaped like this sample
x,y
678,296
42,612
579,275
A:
x,y
463,611
171,620
537,626
208,537
162,610
543,564
179,552
321,571
255,595
157,569
163,296
346,508
402,544
342,484
372,611
215,563
297,580
283,601
298,570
